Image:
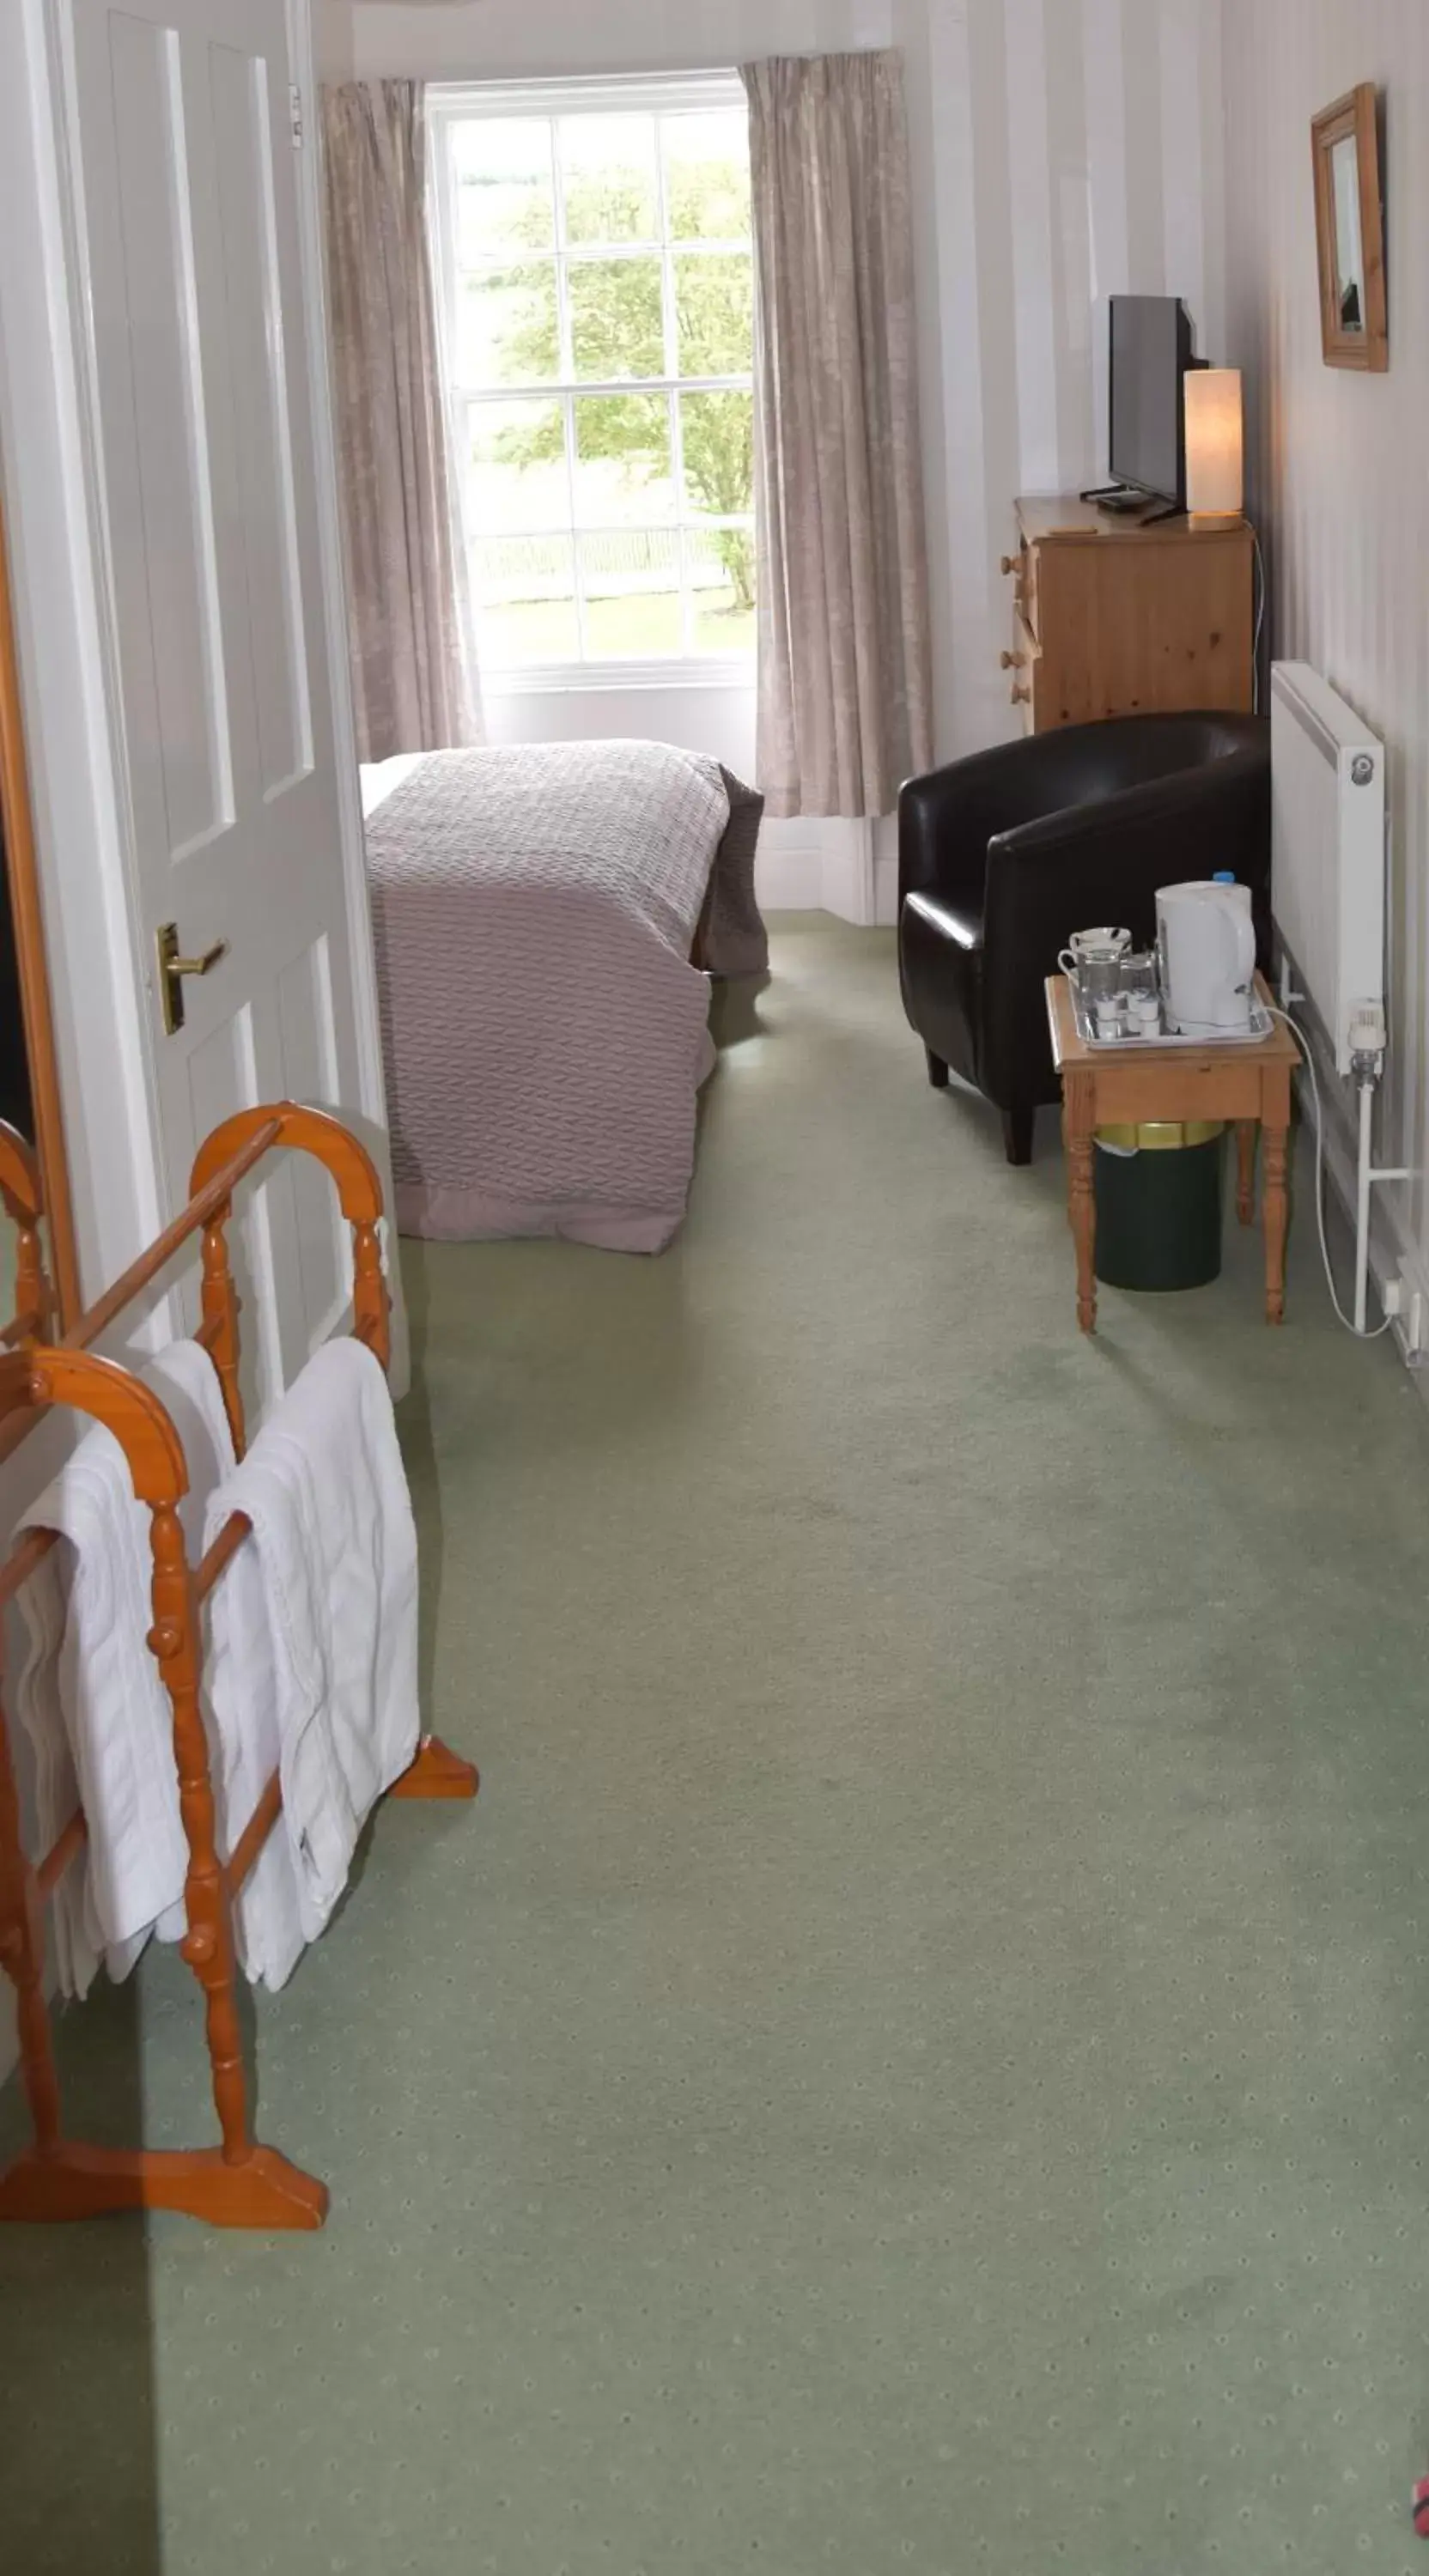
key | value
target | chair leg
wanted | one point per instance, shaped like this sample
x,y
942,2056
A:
x,y
937,1070
1017,1131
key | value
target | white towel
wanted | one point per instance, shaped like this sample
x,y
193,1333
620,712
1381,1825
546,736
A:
x,y
89,1696
313,1631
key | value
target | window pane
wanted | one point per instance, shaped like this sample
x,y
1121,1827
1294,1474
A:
x,y
506,326
617,326
505,197
622,458
707,176
719,566
632,595
608,171
714,307
717,431
524,590
516,476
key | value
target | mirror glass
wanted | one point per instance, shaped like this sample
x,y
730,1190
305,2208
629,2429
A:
x,y
1349,236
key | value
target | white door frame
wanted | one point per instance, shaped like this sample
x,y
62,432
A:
x,y
65,642
354,853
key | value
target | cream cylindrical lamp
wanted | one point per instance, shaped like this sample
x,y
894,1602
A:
x,y
1215,443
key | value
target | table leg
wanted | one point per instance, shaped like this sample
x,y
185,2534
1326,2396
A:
x,y
1080,1101
1276,1141
1246,1138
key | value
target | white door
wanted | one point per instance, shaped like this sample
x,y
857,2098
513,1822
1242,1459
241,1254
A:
x,y
190,219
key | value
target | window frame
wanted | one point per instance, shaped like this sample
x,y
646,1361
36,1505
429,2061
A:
x,y
451,103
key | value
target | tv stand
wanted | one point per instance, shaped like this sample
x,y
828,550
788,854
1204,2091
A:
x,y
1125,502
1119,615
1119,497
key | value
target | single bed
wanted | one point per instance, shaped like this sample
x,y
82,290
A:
x,y
546,918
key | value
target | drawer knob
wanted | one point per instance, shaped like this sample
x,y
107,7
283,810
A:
x,y
1012,563
1014,661
1022,697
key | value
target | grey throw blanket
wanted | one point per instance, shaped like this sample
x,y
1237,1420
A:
x,y
544,1031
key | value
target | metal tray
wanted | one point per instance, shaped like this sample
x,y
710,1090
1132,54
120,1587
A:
x,y
1261,1027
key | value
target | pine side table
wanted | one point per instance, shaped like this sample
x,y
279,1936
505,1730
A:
x,y
1247,1086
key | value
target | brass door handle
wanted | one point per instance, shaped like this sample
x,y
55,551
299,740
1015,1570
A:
x,y
173,968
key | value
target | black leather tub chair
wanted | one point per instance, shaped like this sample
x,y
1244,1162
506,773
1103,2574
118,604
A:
x,y
1001,857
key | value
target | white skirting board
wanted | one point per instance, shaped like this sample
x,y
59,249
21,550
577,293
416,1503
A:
x,y
830,863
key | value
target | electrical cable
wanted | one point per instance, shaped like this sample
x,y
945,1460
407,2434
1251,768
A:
x,y
1262,593
1309,1061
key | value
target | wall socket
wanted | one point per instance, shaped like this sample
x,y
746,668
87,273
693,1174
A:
x,y
1408,1307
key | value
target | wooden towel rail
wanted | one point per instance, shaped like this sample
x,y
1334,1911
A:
x,y
237,2183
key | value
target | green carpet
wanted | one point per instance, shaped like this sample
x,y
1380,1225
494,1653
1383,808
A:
x,y
920,2058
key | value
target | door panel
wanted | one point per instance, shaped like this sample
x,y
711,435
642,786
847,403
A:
x,y
205,417
248,221
161,512
222,1074
322,1244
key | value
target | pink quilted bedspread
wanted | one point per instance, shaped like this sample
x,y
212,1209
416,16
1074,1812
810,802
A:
x,y
544,1031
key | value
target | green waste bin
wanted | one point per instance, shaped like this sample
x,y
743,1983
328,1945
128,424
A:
x,y
1159,1192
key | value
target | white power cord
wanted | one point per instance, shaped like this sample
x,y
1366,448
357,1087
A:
x,y
1262,589
1308,1060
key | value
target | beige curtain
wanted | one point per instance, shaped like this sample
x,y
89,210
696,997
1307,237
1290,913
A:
x,y
409,627
845,686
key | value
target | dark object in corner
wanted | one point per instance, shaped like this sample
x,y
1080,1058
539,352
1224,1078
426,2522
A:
x,y
1001,857
16,1106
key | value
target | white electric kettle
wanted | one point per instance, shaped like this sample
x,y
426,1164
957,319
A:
x,y
1206,939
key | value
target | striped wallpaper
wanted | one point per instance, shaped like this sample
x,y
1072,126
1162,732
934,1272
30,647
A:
x,y
1337,472
1064,151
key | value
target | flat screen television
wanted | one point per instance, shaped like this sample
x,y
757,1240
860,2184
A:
x,y
1151,346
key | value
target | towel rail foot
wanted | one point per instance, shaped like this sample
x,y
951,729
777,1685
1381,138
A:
x,y
437,1773
263,2191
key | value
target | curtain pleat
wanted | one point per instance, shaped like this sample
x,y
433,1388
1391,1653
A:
x,y
845,660
409,623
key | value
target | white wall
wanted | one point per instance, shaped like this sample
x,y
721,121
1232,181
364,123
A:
x,y
1064,151
517,39
1337,477
332,39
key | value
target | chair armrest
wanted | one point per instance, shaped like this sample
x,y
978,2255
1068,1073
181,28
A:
x,y
946,817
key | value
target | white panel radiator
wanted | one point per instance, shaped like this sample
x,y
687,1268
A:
x,y
1329,853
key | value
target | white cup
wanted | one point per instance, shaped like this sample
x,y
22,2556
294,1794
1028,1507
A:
x,y
1084,945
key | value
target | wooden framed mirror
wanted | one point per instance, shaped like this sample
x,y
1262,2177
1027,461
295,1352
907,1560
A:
x,y
1349,223
29,1070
